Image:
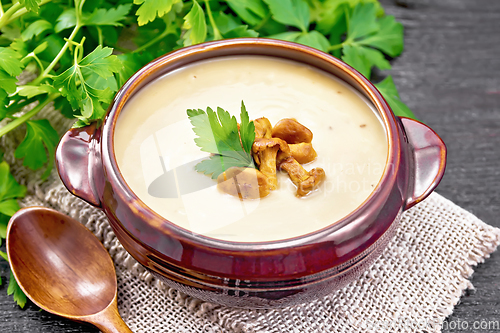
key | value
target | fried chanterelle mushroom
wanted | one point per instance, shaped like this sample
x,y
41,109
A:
x,y
292,131
303,152
263,128
264,153
245,183
304,180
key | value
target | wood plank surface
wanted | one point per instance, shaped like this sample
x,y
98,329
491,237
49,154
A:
x,y
449,75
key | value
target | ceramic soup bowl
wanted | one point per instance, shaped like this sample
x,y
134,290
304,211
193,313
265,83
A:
x,y
263,274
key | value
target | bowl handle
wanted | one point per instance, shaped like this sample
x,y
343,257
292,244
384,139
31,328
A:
x,y
78,160
427,160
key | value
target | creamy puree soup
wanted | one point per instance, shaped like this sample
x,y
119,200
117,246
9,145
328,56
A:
x,y
154,142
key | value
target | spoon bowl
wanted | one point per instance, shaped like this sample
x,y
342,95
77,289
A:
x,y
63,268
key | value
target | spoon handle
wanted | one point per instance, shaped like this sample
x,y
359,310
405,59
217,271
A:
x,y
109,320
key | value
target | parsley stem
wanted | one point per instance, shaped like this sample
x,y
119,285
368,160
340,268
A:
x,y
23,11
1,9
217,34
99,33
19,121
57,58
336,47
4,20
152,41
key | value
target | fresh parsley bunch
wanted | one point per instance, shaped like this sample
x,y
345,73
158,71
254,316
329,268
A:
x,y
81,51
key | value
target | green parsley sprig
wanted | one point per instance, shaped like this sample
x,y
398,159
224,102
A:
x,y
81,51
218,134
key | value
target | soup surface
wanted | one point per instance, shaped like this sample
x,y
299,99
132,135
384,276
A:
x,y
154,143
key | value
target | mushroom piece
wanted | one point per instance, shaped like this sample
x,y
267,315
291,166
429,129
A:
x,y
245,183
305,181
316,177
263,128
303,152
264,152
292,131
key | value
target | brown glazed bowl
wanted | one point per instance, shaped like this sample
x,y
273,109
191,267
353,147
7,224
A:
x,y
255,275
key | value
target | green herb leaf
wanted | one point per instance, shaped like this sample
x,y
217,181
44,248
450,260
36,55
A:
x,y
9,61
10,190
332,17
32,91
231,27
9,187
314,39
131,63
250,11
64,107
40,48
376,3
218,134
14,289
363,21
112,16
290,12
7,83
217,164
364,58
66,20
290,36
388,89
150,9
31,5
3,255
36,29
389,37
247,130
241,31
10,32
75,86
4,221
101,62
41,139
366,34
9,207
195,25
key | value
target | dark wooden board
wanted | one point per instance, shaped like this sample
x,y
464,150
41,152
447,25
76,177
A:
x,y
449,75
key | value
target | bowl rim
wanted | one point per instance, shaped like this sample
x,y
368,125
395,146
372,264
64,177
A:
x,y
158,222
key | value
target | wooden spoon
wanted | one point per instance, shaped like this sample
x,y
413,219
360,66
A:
x,y
63,268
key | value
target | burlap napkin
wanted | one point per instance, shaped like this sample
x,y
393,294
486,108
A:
x,y
412,287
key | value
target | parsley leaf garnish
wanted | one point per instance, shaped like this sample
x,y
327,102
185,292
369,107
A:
x,y
218,134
